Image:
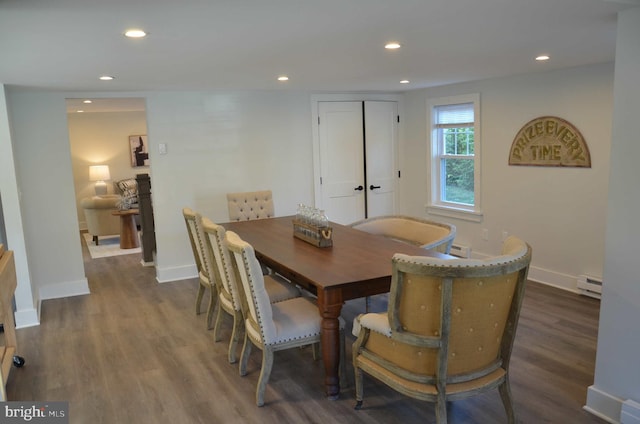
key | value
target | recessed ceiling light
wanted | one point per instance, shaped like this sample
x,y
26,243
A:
x,y
135,33
404,82
283,78
87,101
392,46
542,58
106,78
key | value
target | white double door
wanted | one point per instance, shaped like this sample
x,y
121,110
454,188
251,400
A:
x,y
358,158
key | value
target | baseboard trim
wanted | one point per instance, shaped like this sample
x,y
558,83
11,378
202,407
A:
x,y
67,289
544,276
147,264
554,279
184,272
26,318
603,405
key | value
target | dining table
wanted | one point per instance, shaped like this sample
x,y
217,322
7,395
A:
x,y
356,265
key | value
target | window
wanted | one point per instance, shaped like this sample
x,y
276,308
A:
x,y
455,157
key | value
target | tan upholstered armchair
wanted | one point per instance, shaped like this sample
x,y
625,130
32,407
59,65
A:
x,y
97,214
250,205
422,232
449,329
427,234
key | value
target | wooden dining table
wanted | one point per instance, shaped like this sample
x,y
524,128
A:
x,y
358,264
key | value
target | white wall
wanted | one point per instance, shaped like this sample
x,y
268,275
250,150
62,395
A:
x,y
219,143
559,211
43,169
26,298
102,138
617,375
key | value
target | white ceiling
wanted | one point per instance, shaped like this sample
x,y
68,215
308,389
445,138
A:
x,y
322,45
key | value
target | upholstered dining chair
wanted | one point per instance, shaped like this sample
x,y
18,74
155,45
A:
x,y
449,329
219,261
430,235
193,219
270,326
425,233
244,206
248,205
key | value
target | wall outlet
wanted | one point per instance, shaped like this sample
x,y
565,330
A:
x,y
485,234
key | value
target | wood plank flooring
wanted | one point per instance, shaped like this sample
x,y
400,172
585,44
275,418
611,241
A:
x,y
134,351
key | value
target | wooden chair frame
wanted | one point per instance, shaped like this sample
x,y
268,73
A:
x,y
193,221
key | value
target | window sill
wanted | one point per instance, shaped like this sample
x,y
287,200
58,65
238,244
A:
x,y
466,215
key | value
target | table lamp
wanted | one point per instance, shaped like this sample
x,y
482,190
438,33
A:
x,y
99,173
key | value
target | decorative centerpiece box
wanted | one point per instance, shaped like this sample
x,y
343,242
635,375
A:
x,y
317,236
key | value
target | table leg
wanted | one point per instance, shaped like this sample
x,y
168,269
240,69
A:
x,y
128,232
330,305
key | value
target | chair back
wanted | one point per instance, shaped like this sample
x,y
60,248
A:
x,y
190,221
245,206
197,246
220,261
427,234
469,328
258,314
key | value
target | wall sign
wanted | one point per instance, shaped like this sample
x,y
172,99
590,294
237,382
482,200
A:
x,y
549,141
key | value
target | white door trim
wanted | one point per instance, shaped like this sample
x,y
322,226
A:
x,y
346,97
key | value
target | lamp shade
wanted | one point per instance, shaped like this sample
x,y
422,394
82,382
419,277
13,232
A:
x,y
99,173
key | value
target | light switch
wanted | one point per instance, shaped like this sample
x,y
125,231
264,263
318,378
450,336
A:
x,y
162,148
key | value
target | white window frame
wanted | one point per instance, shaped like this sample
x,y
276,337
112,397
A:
x,y
436,205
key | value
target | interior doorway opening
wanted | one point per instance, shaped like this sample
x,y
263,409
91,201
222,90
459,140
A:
x,y
109,135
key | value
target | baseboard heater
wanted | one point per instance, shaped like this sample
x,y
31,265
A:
x,y
460,251
590,286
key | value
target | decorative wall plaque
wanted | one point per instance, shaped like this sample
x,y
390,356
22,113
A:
x,y
549,141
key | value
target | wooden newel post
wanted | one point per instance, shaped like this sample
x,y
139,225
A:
x,y
147,225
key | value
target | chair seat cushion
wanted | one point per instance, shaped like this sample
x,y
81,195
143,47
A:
x,y
293,319
279,289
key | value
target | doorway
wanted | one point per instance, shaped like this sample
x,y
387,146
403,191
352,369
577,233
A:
x,y
101,131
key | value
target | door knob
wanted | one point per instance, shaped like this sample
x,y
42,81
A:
x,y
372,187
359,188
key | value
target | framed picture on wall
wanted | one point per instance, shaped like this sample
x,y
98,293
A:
x,y
139,150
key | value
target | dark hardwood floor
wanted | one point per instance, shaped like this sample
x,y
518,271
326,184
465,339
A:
x,y
135,352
